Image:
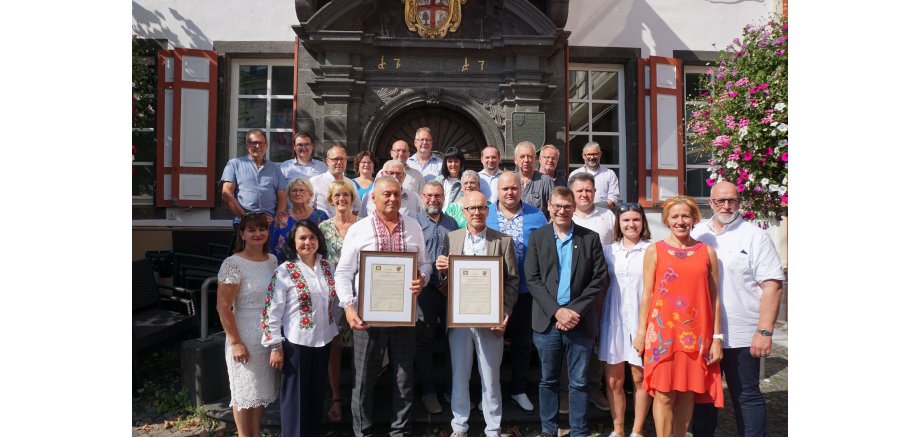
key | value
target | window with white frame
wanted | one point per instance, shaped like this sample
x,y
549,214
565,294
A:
x,y
596,113
263,98
696,154
143,137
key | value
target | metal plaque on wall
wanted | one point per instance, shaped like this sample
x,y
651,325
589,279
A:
x,y
529,126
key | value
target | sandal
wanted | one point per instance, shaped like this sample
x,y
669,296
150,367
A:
x,y
335,410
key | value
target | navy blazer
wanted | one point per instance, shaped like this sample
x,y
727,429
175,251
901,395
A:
x,y
589,277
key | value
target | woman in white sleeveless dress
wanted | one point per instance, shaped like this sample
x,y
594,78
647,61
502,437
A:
x,y
621,315
241,291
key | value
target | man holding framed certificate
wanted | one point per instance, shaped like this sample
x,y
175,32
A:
x,y
480,267
386,252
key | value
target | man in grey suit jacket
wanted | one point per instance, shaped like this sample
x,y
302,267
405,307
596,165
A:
x,y
486,343
565,270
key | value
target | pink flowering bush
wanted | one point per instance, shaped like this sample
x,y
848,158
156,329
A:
x,y
744,122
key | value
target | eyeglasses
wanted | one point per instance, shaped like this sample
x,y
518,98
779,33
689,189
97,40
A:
x,y
626,206
395,174
476,209
562,207
592,155
255,143
253,215
434,196
303,145
338,159
721,202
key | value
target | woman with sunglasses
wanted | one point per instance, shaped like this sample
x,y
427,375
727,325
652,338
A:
x,y
241,289
678,321
300,193
298,324
451,169
620,317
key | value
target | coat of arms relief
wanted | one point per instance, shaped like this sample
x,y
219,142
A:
x,y
433,18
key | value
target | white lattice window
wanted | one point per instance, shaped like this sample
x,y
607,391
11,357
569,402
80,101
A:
x,y
262,97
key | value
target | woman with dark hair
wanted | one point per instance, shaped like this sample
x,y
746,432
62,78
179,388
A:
x,y
620,318
364,169
679,321
451,169
300,192
298,324
241,290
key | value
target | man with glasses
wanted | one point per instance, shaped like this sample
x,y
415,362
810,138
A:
x,y
486,345
423,161
549,159
432,304
750,287
516,219
410,204
336,159
565,271
488,176
414,180
605,180
537,187
251,183
303,164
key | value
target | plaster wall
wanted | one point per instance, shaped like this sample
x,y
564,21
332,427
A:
x,y
196,24
659,27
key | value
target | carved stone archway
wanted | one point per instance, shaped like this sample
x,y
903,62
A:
x,y
449,128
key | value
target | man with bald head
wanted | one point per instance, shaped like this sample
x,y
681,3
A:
x,y
336,159
605,180
750,287
536,187
517,219
485,344
488,176
414,180
410,201
386,229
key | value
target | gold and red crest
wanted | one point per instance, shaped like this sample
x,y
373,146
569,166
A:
x,y
433,18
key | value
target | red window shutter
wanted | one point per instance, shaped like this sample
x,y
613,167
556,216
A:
x,y
186,127
661,133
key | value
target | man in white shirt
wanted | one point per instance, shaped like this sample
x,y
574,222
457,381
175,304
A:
x,y
485,344
410,203
303,163
488,176
414,180
750,287
336,158
605,180
423,161
384,230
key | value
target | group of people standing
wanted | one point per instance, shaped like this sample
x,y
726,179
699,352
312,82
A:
x,y
583,283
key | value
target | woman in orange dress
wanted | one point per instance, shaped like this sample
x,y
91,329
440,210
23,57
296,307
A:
x,y
679,308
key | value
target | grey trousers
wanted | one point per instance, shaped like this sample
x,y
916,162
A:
x,y
369,348
488,347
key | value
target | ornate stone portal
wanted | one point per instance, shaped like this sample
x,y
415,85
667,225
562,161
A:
x,y
365,77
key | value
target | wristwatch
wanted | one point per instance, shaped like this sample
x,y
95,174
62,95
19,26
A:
x,y
764,332
719,336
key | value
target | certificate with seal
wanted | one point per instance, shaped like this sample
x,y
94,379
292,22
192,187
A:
x,y
475,291
384,288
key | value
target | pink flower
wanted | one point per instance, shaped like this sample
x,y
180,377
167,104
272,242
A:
x,y
710,182
743,122
753,90
757,189
766,120
742,82
721,141
784,198
753,102
747,156
747,215
732,93
769,151
780,52
763,87
784,157
740,188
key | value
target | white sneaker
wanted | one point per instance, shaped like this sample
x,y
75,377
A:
x,y
522,401
633,434
614,434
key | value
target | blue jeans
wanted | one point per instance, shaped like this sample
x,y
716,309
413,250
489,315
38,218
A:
x,y
742,373
551,345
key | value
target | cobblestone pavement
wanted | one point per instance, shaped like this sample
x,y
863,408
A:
x,y
152,417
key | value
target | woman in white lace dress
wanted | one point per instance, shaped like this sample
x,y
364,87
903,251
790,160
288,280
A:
x,y
299,326
241,291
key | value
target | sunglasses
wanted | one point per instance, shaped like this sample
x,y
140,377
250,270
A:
x,y
627,206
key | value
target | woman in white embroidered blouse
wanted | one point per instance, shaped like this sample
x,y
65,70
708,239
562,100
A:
x,y
241,289
298,325
621,315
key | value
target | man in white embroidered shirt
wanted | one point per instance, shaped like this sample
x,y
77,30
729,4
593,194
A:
x,y
605,180
486,344
384,230
750,286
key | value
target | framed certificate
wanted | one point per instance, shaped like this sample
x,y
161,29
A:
x,y
384,288
475,291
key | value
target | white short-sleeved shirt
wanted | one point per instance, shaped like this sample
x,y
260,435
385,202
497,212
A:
x,y
747,257
605,181
294,169
601,221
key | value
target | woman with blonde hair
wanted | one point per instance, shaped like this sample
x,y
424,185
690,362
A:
x,y
300,194
678,320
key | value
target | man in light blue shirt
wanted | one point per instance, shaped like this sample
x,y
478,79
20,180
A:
x,y
423,161
252,183
303,164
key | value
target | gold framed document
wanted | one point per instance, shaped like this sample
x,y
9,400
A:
x,y
475,291
384,288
